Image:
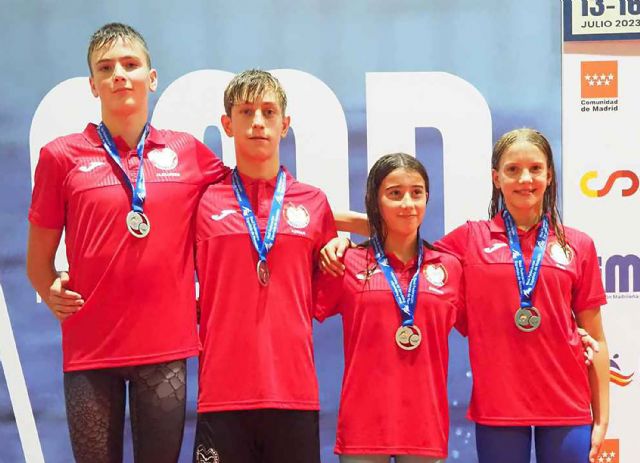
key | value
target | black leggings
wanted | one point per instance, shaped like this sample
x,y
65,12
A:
x,y
95,402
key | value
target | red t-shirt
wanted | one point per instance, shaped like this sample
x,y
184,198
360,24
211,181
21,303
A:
x,y
257,343
393,401
526,378
139,292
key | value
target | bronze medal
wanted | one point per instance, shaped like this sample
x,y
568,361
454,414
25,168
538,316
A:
x,y
527,319
263,272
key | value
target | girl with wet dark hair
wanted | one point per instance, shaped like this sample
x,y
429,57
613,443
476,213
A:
x,y
398,299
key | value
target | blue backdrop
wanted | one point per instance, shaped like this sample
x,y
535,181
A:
x,y
509,51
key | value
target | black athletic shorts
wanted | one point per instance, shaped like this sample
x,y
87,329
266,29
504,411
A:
x,y
257,436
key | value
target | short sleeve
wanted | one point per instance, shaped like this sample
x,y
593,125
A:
x,y
327,295
327,230
213,170
461,308
588,291
47,200
455,242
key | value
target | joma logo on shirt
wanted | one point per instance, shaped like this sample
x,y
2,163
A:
x,y
224,213
494,247
89,167
366,274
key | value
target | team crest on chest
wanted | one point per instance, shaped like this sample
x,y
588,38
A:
x,y
436,274
560,255
297,216
163,159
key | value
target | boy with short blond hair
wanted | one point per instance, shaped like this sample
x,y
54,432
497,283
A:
x,y
258,236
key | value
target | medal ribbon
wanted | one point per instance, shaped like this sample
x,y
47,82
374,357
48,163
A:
x,y
262,246
526,281
139,192
406,304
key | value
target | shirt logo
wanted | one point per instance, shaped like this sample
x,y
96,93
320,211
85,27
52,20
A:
x,y
224,213
92,165
297,216
163,159
494,247
206,455
436,274
368,273
562,256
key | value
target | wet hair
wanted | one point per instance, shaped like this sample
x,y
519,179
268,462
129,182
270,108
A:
x,y
550,199
109,33
379,171
250,85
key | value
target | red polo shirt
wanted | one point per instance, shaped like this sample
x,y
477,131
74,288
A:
x,y
393,402
139,292
526,378
257,343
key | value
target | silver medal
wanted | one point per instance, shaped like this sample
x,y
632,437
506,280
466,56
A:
x,y
408,337
527,319
263,272
138,224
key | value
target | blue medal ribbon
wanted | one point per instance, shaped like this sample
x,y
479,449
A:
x,y
526,281
139,191
406,304
261,246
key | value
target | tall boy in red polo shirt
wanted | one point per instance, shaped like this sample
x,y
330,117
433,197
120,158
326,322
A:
x,y
258,236
125,194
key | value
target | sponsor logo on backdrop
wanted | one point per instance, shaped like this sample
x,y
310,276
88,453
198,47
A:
x,y
601,19
599,86
609,452
627,180
621,276
616,375
599,79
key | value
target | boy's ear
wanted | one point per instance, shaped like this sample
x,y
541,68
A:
x,y
153,80
94,92
286,121
226,125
